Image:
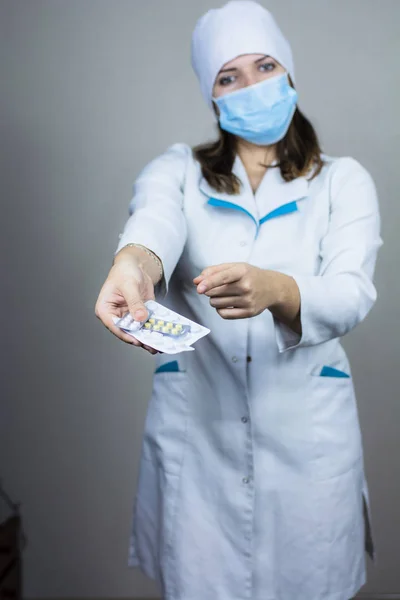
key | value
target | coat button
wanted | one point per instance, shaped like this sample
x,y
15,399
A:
x,y
248,359
245,480
234,358
244,419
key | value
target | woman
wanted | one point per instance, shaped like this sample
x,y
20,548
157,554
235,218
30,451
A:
x,y
251,481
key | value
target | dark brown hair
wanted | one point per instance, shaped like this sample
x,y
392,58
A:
x,y
298,152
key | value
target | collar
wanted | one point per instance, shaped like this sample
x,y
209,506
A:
x,y
245,200
270,199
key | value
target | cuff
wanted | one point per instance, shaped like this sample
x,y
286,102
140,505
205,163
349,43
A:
x,y
286,338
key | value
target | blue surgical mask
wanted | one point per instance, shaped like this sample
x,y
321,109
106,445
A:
x,y
259,113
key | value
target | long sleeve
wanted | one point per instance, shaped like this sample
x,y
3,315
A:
x,y
156,216
341,295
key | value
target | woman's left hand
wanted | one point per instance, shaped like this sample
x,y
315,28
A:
x,y
239,290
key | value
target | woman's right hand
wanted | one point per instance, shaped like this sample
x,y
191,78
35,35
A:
x,y
126,288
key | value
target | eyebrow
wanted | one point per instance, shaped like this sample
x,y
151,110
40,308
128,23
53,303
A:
x,y
235,68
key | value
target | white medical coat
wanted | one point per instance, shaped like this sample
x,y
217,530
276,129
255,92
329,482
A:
x,y
251,482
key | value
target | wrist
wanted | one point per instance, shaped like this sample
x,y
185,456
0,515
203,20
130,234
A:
x,y
277,285
285,305
128,253
142,258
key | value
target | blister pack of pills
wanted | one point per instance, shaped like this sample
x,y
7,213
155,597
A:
x,y
164,329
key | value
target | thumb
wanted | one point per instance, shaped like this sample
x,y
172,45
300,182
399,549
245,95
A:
x,y
136,306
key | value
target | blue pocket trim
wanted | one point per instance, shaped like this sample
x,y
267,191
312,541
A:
x,y
331,372
285,209
169,367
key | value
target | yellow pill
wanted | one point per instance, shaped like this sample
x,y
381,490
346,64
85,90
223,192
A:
x,y
165,329
156,328
169,325
159,322
178,326
147,325
152,321
175,331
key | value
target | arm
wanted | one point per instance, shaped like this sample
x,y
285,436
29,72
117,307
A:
x,y
156,218
287,306
157,223
335,301
310,310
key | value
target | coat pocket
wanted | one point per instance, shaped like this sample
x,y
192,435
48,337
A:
x,y
165,429
171,366
331,371
336,430
165,363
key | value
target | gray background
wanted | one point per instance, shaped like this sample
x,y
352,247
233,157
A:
x,y
92,90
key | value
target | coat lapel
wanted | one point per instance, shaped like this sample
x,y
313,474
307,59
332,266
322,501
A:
x,y
274,197
244,201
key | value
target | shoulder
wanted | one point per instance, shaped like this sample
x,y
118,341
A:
x,y
338,172
348,186
178,150
177,154
170,166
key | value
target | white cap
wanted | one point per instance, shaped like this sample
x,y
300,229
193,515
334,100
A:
x,y
239,27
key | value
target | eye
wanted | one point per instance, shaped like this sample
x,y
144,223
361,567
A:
x,y
226,80
268,66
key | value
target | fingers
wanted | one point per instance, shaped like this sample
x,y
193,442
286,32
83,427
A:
x,y
133,286
135,304
215,269
151,350
106,313
107,320
122,291
125,337
230,289
128,339
222,277
229,301
233,313
208,271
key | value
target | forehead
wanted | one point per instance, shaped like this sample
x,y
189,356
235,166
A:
x,y
242,61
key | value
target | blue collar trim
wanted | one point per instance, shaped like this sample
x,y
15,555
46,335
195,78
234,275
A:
x,y
225,204
285,209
